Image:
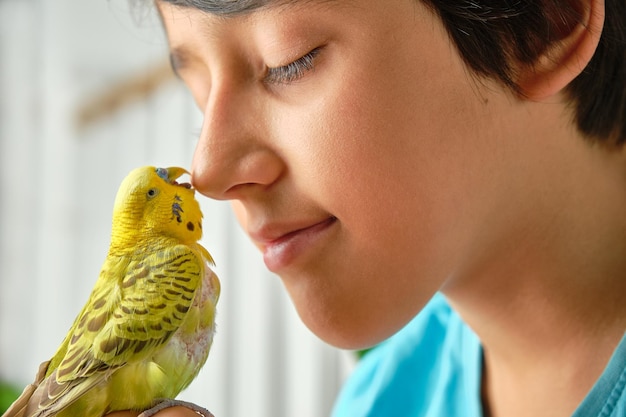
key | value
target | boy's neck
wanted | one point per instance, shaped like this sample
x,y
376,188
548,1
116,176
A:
x,y
548,302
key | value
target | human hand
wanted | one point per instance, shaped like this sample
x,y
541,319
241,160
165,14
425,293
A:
x,y
177,411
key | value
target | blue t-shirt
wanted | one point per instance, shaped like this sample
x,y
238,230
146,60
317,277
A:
x,y
432,368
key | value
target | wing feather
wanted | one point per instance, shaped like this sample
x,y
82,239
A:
x,y
123,323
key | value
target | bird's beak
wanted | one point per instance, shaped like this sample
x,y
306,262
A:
x,y
173,173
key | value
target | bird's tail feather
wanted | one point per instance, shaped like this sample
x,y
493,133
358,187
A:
x,y
18,408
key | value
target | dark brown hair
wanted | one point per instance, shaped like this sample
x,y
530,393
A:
x,y
495,37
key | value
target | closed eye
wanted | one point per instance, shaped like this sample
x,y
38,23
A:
x,y
293,71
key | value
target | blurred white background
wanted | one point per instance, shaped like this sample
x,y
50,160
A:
x,y
86,95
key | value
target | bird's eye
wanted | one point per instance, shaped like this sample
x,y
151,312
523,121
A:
x,y
152,192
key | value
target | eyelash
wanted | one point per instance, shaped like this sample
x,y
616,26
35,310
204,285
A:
x,y
294,70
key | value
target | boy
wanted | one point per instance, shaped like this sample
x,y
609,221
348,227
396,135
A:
x,y
462,159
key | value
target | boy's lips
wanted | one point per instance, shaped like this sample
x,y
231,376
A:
x,y
283,245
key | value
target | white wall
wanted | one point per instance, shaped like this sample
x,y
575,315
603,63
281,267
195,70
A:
x,y
58,178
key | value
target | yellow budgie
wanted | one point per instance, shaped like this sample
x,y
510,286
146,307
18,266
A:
x,y
147,327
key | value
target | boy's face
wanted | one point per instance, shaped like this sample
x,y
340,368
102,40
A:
x,y
362,171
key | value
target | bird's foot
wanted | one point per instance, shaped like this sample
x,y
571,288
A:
x,y
167,403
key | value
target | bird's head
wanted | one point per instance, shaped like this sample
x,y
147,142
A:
x,y
150,202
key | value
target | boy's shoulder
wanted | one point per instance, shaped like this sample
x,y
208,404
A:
x,y
607,398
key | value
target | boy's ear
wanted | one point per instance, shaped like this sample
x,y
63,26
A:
x,y
566,58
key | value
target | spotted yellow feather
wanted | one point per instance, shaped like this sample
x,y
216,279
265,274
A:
x,y
148,325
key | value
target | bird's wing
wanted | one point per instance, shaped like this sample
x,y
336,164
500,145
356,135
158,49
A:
x,y
123,322
157,293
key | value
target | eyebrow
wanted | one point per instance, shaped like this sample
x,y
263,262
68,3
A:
x,y
238,7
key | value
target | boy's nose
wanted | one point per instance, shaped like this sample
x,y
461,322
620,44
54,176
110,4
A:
x,y
233,155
